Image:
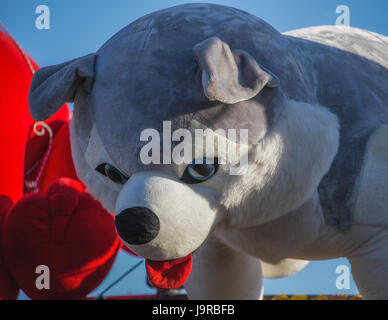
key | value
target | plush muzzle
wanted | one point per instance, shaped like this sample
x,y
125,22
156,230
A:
x,y
164,220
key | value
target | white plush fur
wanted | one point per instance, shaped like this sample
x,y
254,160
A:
x,y
370,266
187,213
99,186
284,268
371,196
285,167
282,238
220,272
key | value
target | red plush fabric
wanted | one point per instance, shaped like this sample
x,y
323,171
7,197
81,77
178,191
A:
x,y
66,230
9,290
15,132
166,274
15,120
169,274
37,147
59,162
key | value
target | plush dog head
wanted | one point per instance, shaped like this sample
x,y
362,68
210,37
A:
x,y
181,125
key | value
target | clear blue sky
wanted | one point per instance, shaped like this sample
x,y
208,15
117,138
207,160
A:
x,y
81,27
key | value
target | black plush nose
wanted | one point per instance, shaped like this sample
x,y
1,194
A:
x,y
137,225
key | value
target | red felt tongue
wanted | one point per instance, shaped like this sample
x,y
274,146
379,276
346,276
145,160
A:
x,y
169,274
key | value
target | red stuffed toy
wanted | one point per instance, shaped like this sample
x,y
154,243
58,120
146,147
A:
x,y
46,217
59,230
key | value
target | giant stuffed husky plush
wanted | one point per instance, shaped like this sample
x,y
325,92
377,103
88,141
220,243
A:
x,y
314,103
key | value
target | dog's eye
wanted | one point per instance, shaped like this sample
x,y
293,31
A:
x,y
112,173
199,171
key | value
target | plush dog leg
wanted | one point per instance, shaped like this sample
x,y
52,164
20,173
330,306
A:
x,y
220,272
284,268
370,267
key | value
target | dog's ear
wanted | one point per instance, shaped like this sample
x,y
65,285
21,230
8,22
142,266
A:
x,y
53,86
230,76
